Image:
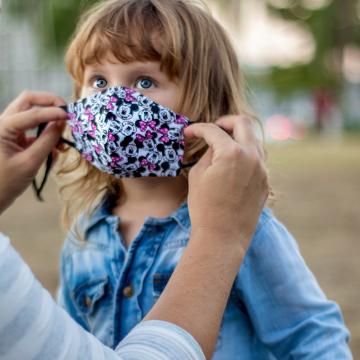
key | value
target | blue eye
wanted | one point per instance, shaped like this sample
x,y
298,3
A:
x,y
145,83
100,83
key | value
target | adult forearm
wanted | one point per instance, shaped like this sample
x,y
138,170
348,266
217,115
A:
x,y
195,300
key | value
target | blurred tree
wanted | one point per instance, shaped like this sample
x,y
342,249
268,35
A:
x,y
53,21
334,25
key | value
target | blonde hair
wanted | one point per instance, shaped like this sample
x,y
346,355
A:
x,y
191,47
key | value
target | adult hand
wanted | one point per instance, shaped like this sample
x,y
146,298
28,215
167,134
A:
x,y
228,187
22,156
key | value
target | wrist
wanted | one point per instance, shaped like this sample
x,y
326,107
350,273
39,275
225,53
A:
x,y
218,241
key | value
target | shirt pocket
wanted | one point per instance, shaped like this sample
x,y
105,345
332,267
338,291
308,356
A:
x,y
88,295
93,301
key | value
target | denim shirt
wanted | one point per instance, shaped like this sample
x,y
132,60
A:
x,y
276,308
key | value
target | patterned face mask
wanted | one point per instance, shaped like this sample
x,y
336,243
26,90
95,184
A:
x,y
126,134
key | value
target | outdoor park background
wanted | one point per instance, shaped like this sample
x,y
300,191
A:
x,y
302,61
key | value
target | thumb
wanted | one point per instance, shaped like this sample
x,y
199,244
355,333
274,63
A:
x,y
43,146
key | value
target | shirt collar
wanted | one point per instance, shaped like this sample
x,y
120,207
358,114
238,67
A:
x,y
99,213
180,215
102,212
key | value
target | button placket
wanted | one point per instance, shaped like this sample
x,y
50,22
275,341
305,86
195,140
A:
x,y
124,283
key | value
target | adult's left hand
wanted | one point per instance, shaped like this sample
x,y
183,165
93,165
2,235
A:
x,y
21,156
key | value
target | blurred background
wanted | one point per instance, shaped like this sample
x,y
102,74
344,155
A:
x,y
302,63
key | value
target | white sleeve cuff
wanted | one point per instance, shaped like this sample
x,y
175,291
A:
x,y
159,340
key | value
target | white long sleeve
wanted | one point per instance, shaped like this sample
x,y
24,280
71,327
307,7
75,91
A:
x,y
32,326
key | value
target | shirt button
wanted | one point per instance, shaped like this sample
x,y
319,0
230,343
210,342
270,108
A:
x,y
87,301
128,291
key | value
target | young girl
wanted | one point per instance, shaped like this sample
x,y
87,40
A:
x,y
132,231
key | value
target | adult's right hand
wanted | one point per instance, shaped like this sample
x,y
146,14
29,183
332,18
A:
x,y
228,187
22,156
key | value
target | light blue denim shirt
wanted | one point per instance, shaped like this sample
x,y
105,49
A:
x,y
276,308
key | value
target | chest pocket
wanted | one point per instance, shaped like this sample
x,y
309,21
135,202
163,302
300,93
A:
x,y
88,296
88,275
93,300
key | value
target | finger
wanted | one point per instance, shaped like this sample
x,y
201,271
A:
x,y
242,130
32,118
55,156
27,99
44,145
206,160
240,127
30,140
214,136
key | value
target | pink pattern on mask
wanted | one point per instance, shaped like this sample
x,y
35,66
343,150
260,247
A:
x,y
98,149
129,93
165,138
88,157
92,132
111,104
147,164
89,114
181,120
115,160
144,124
111,137
141,138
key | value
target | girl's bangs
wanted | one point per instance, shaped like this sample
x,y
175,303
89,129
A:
x,y
127,41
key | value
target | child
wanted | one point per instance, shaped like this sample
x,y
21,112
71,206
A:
x,y
132,231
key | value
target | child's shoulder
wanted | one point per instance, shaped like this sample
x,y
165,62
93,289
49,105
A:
x,y
269,227
265,216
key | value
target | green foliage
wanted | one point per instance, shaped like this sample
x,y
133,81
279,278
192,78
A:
x,y
333,27
301,77
53,20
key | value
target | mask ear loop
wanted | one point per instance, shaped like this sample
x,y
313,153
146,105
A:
x,y
185,166
49,162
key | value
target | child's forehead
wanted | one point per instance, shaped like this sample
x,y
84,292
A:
x,y
110,64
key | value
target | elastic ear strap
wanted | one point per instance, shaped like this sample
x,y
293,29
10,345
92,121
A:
x,y
49,161
39,189
67,142
184,166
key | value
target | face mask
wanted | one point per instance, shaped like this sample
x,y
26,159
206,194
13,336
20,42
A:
x,y
126,134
